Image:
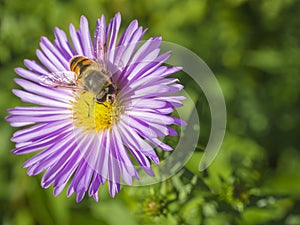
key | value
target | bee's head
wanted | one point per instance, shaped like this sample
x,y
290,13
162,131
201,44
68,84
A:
x,y
100,98
107,94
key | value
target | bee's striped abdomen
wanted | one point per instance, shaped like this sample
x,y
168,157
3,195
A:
x,y
79,64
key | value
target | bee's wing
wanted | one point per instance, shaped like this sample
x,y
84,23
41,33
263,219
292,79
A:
x,y
58,79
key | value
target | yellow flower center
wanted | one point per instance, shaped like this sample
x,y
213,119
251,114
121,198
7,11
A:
x,y
92,116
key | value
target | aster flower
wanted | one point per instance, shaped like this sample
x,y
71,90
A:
x,y
76,138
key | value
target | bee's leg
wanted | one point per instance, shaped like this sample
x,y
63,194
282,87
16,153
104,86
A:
x,y
102,103
110,98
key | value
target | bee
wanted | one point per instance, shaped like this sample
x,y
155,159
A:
x,y
84,74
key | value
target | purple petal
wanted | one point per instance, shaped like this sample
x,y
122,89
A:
x,y
151,91
32,98
100,39
51,57
179,121
104,151
147,52
62,43
40,131
149,102
113,176
46,61
160,144
58,149
140,157
35,119
65,157
35,146
81,180
126,166
137,70
152,117
170,70
35,111
42,90
139,143
113,30
148,128
174,101
85,38
172,132
93,190
27,74
143,129
124,47
130,42
76,40
44,160
61,173
34,66
48,47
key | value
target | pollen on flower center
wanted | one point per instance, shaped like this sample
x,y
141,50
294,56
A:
x,y
92,116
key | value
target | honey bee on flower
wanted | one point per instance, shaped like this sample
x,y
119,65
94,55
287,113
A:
x,y
95,104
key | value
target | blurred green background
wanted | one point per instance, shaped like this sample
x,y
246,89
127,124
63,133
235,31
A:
x,y
253,48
